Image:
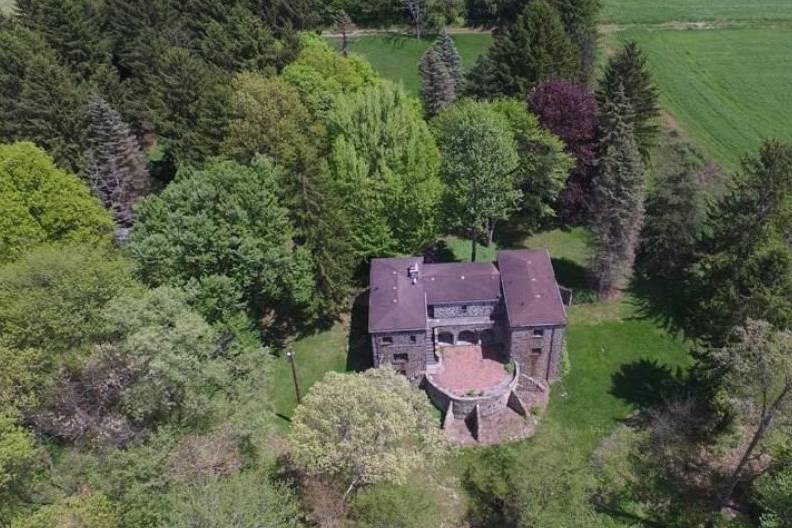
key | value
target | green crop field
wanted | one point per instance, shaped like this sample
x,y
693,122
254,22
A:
x,y
659,11
728,89
396,56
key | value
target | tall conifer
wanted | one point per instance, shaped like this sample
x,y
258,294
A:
x,y
116,166
437,84
617,202
627,70
445,47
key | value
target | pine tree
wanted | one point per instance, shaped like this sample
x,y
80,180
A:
x,y
116,166
437,84
617,204
445,47
627,70
534,47
580,20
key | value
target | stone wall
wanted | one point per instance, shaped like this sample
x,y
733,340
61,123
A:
x,y
404,351
450,311
539,356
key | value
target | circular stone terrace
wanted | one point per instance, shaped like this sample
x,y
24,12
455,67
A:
x,y
472,370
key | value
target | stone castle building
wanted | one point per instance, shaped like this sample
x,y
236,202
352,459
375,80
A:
x,y
422,316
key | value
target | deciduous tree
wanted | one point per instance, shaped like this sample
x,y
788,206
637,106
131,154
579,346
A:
x,y
364,428
480,165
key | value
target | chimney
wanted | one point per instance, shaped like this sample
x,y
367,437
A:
x,y
413,273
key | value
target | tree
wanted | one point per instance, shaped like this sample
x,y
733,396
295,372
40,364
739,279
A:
x,y
480,162
52,298
41,203
85,511
116,167
412,505
627,71
617,204
743,267
757,366
445,47
570,112
364,428
224,219
774,490
437,85
40,100
244,500
580,19
543,164
531,49
675,215
23,376
383,153
16,453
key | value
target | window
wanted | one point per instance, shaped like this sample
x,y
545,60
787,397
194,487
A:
x,y
464,308
401,358
536,351
387,341
413,339
538,332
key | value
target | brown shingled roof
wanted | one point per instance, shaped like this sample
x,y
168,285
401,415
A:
x,y
530,290
395,303
457,282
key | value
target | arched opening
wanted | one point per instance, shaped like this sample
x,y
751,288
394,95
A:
x,y
445,338
467,337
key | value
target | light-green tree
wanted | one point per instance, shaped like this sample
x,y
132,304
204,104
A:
x,y
41,203
364,428
16,451
224,219
480,166
85,511
617,199
243,500
415,504
383,154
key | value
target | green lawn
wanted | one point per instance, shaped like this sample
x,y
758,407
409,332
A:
x,y
728,89
659,11
396,56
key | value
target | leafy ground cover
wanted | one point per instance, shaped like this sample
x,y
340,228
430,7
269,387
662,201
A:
x,y
654,12
396,56
726,88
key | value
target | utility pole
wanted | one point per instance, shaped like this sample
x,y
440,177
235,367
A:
x,y
290,355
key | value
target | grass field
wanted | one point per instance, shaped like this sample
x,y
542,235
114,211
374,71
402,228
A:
x,y
660,11
728,89
396,56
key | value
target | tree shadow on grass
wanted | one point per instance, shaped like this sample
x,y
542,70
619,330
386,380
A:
x,y
359,353
572,275
666,302
646,383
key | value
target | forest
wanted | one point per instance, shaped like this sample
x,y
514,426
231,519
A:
x,y
190,195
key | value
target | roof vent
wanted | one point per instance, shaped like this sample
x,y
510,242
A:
x,y
462,277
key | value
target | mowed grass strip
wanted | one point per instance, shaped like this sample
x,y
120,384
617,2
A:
x,y
728,89
661,11
396,56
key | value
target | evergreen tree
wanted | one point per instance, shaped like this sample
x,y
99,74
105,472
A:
x,y
744,264
445,47
580,20
628,71
617,204
116,167
532,48
437,85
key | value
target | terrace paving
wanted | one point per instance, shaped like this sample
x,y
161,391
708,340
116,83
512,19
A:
x,y
471,368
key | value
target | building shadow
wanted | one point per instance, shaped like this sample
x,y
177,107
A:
x,y
646,383
359,353
439,252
